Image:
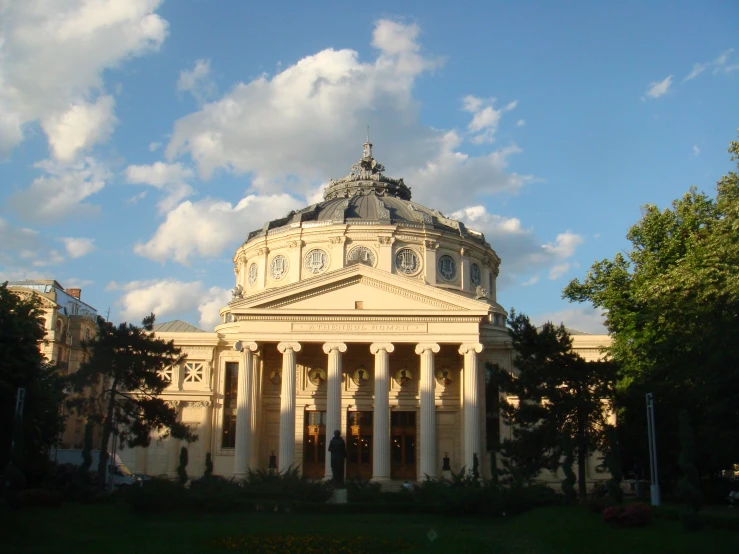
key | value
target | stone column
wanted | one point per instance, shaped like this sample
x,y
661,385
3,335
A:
x,y
256,409
243,409
429,463
333,395
471,403
381,420
286,455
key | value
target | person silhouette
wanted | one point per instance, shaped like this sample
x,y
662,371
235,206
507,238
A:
x,y
337,448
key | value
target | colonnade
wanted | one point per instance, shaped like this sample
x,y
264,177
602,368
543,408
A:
x,y
381,424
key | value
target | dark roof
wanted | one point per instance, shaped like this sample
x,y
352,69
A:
x,y
176,326
367,196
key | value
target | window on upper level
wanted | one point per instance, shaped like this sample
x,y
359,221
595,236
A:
x,y
194,372
167,373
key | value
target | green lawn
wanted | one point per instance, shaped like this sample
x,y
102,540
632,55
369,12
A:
x,y
112,529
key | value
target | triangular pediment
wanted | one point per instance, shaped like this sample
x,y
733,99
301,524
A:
x,y
360,287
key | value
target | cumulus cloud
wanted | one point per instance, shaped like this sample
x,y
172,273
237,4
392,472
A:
x,y
197,81
585,319
166,298
558,270
54,54
520,123
60,192
78,247
659,88
208,226
169,178
23,249
485,117
521,252
696,150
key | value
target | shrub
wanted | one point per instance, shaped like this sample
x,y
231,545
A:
x,y
157,496
40,498
519,499
208,465
363,491
628,515
182,468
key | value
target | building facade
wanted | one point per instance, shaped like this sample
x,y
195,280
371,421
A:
x,y
366,313
67,321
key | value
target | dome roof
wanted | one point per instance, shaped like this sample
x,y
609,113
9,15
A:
x,y
367,196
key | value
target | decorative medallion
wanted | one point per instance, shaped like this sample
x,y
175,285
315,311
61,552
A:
x,y
252,276
475,275
278,267
316,261
275,376
317,376
403,377
444,376
361,255
447,267
407,261
360,377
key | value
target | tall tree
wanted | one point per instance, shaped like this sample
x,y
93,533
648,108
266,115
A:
x,y
120,384
559,397
23,366
672,306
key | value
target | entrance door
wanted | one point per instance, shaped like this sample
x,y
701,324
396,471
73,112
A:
x,y
314,445
359,446
403,445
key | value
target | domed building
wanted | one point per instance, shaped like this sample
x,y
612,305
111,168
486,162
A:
x,y
366,313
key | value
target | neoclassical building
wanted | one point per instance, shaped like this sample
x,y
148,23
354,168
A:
x,y
366,313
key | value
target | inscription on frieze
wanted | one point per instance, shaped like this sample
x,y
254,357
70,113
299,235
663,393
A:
x,y
349,327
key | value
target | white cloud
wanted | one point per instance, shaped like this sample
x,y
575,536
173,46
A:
x,y
209,226
154,146
78,128
558,270
169,297
520,123
170,178
61,191
585,319
78,247
23,251
698,68
197,81
54,54
521,252
485,117
696,150
720,65
532,281
658,88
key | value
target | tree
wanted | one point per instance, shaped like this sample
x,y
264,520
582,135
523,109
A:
x,y
556,393
672,307
120,384
182,467
23,366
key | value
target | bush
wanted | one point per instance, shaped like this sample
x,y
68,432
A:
x,y
40,498
364,491
628,515
520,499
285,487
157,496
692,520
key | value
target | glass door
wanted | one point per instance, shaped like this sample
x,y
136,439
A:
x,y
314,445
403,445
359,446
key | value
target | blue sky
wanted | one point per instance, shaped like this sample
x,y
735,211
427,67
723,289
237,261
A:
x,y
142,140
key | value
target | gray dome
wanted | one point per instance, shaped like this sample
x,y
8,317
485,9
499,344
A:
x,y
366,196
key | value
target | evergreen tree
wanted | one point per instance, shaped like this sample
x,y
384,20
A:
x,y
555,392
568,483
120,384
23,366
672,304
208,465
612,463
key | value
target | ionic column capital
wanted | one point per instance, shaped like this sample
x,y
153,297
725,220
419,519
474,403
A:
x,y
421,348
476,346
243,346
294,346
388,347
329,346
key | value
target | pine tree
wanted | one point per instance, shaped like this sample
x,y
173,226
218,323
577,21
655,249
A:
x,y
120,384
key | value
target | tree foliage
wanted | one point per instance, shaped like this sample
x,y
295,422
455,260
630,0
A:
x,y
672,307
23,366
120,384
555,392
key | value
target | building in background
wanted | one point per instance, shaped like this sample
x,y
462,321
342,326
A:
x,y
365,313
67,321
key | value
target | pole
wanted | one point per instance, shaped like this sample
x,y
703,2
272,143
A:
x,y
654,489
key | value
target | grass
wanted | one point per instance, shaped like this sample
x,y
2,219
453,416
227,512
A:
x,y
113,529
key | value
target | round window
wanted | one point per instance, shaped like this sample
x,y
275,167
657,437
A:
x,y
278,267
447,267
407,261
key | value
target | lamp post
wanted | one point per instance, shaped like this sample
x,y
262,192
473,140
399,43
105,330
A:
x,y
652,450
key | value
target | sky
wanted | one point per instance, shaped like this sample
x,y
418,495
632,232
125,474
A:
x,y
142,140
